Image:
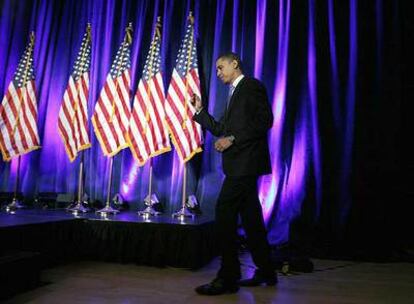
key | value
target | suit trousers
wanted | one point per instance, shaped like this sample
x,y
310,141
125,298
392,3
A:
x,y
239,196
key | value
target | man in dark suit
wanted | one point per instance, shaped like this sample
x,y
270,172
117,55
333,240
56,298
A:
x,y
242,133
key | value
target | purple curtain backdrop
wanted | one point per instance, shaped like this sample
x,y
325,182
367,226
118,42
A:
x,y
278,43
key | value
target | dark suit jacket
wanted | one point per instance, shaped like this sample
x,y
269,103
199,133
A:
x,y
248,118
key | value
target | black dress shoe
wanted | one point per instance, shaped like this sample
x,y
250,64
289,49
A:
x,y
259,279
217,287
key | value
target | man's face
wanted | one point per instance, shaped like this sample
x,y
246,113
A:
x,y
226,70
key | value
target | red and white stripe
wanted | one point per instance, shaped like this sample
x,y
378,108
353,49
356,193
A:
x,y
112,114
188,139
73,116
18,121
148,137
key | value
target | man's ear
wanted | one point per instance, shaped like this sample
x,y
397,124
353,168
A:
x,y
235,64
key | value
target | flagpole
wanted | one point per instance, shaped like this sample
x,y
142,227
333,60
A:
x,y
16,204
150,200
108,196
80,207
108,209
184,212
184,187
150,179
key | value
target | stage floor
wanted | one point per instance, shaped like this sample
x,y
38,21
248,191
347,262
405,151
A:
x,y
125,237
37,216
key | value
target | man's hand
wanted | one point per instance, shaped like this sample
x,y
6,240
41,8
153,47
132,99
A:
x,y
196,102
223,143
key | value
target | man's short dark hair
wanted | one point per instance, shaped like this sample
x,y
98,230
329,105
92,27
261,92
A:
x,y
230,56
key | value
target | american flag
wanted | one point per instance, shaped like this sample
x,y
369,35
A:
x,y
147,130
73,114
185,133
18,110
112,110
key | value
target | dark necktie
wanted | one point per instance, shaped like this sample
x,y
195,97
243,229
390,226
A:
x,y
231,91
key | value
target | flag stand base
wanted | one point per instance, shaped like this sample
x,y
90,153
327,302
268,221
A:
x,y
183,213
14,205
149,211
107,210
79,207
